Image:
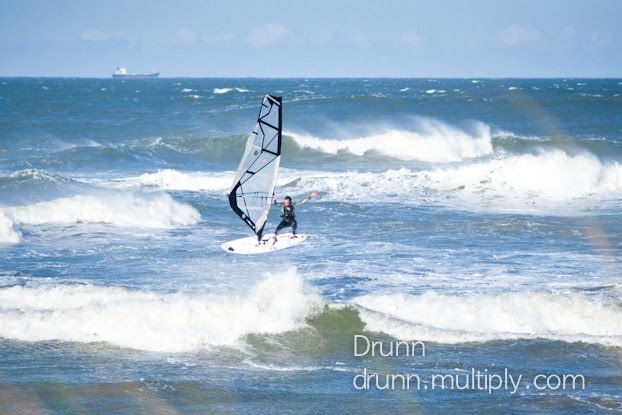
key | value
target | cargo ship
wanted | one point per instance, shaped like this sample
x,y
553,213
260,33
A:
x,y
121,72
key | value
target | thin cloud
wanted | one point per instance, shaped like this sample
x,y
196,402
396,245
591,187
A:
x,y
99,36
568,32
220,38
515,35
268,34
599,40
185,36
412,39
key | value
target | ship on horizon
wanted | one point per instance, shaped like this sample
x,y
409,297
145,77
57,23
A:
x,y
121,72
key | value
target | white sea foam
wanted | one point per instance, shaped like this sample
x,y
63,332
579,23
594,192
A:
x,y
279,368
124,209
551,175
435,91
37,175
173,322
485,317
8,234
175,180
530,183
434,141
549,181
169,179
187,90
225,90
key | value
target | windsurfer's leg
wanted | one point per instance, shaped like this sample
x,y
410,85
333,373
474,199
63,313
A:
x,y
282,225
294,226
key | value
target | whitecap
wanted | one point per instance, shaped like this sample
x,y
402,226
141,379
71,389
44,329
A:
x,y
147,320
9,235
123,209
474,317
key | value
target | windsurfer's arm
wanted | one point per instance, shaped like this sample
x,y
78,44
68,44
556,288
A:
x,y
274,202
306,199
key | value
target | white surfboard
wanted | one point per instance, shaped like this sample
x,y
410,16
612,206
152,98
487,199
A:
x,y
268,243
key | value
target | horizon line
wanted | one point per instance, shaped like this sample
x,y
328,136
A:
x,y
313,77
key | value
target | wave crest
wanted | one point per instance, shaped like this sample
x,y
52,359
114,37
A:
x,y
152,321
487,317
529,183
434,141
8,234
119,209
225,90
170,179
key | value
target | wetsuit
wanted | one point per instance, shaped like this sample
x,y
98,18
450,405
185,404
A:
x,y
288,218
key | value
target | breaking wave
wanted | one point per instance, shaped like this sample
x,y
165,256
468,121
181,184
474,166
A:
x,y
36,175
486,317
8,234
434,141
170,179
527,183
523,183
145,320
225,90
282,304
119,209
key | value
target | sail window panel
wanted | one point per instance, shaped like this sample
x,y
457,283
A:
x,y
271,142
271,117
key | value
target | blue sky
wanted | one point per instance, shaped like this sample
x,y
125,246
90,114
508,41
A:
x,y
318,38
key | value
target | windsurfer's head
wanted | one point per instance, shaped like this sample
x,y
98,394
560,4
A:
x,y
287,201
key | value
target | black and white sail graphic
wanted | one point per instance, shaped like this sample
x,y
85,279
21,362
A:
x,y
250,195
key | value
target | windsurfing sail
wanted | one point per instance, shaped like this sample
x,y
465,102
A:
x,y
251,193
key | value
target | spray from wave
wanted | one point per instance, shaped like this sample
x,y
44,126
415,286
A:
x,y
434,141
8,234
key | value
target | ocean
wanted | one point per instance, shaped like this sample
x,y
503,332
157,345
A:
x,y
477,220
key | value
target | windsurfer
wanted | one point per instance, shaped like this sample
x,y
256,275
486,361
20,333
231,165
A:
x,y
288,218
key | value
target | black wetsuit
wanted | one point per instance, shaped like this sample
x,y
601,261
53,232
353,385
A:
x,y
288,218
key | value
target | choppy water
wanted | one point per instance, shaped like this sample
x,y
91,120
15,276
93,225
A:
x,y
481,217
